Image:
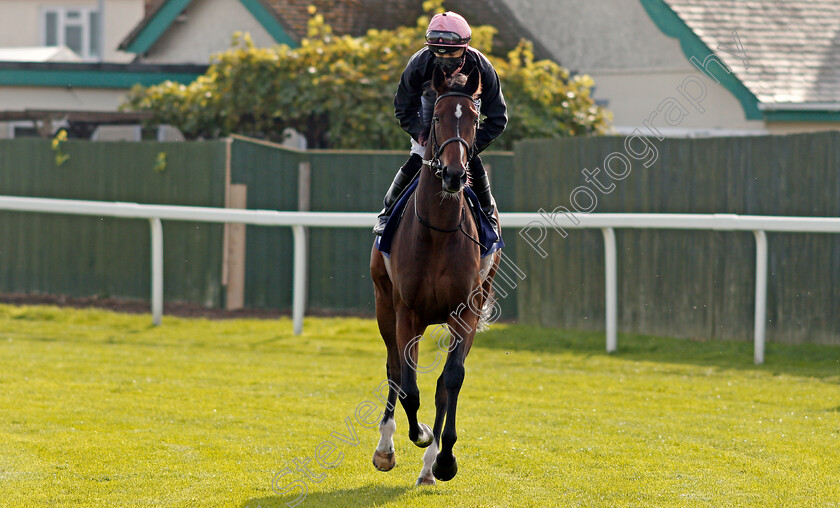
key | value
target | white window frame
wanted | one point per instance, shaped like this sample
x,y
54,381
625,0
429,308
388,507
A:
x,y
55,125
62,22
14,124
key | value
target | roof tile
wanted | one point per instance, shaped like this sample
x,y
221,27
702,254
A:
x,y
793,47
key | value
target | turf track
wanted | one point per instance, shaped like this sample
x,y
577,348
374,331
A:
x,y
98,408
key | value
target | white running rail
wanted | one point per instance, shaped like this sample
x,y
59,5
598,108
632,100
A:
x,y
606,222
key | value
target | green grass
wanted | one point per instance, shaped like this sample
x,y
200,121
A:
x,y
98,408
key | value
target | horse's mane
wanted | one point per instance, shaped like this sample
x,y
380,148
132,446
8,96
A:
x,y
458,83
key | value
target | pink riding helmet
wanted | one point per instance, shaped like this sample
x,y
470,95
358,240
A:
x,y
448,30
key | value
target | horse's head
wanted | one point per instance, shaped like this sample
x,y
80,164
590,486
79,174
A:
x,y
454,127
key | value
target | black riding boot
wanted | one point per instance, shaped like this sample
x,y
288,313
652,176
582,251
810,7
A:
x,y
404,177
481,187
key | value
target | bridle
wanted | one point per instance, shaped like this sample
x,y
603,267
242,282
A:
x,y
434,163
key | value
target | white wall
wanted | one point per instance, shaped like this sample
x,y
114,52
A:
x,y
20,22
13,98
121,16
207,28
636,96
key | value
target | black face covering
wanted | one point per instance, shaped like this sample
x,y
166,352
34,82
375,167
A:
x,y
449,65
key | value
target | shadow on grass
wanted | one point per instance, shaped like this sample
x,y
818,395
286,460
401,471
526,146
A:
x,y
369,495
801,360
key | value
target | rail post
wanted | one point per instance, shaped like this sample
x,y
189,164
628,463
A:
x,y
611,289
760,294
157,271
299,282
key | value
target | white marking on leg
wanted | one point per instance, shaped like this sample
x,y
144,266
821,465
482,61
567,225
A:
x,y
386,439
429,459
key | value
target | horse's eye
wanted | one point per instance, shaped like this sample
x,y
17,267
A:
x,y
436,118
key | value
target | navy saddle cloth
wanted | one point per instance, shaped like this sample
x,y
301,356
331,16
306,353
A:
x,y
489,240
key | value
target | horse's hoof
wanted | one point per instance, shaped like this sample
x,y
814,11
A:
x,y
427,479
384,461
445,472
425,437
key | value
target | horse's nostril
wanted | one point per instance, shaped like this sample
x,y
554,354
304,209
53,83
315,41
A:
x,y
453,177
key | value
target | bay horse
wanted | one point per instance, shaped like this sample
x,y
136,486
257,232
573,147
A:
x,y
435,275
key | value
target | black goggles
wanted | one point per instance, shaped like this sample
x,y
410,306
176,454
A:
x,y
443,50
434,37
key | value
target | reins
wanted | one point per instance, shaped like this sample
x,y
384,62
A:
x,y
459,228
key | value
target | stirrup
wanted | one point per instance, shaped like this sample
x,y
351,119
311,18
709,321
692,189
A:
x,y
489,212
381,221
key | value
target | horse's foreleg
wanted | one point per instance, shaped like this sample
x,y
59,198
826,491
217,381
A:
x,y
463,331
426,475
408,331
383,457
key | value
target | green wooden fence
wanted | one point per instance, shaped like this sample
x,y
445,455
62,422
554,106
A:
x,y
88,256
680,283
82,256
693,284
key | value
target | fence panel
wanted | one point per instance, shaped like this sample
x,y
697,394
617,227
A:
x,y
271,176
81,256
503,179
680,283
339,273
692,284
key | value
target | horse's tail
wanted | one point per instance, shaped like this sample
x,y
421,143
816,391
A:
x,y
486,312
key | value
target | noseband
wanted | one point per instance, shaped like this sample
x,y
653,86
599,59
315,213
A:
x,y
434,163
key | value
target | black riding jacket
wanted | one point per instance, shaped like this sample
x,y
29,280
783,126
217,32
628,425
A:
x,y
419,70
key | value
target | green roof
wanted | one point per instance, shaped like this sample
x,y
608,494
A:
x,y
91,75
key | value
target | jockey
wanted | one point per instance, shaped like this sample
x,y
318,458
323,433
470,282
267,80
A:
x,y
447,47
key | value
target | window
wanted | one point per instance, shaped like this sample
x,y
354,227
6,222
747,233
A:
x,y
33,128
74,27
23,130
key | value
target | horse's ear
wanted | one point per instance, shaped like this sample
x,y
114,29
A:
x,y
438,80
473,86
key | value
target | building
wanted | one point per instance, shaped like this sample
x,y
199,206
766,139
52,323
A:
x,y
665,67
61,68
774,64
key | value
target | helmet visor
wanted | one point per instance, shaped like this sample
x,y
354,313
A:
x,y
445,38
